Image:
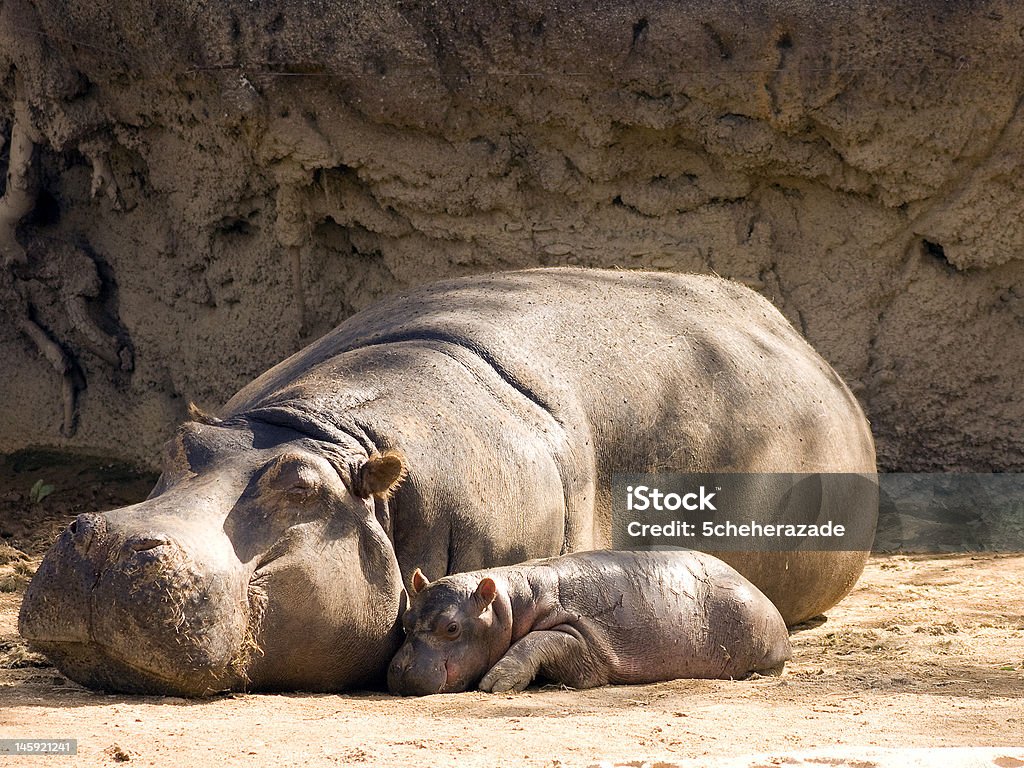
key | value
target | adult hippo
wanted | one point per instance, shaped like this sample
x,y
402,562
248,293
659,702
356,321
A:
x,y
273,550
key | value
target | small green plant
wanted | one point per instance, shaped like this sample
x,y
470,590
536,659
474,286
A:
x,y
40,491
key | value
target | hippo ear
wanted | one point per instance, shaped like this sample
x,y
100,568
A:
x,y
197,414
485,592
380,474
419,581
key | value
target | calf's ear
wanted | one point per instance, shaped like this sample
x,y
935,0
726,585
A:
x,y
484,594
419,581
380,474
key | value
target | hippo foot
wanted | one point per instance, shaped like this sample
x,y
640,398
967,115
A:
x,y
559,654
508,674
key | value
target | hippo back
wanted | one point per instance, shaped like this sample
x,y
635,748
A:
x,y
612,371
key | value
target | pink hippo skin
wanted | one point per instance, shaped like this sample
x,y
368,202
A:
x,y
584,620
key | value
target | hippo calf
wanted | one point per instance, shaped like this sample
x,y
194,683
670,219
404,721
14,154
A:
x,y
584,620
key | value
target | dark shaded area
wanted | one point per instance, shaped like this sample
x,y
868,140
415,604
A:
x,y
941,513
80,483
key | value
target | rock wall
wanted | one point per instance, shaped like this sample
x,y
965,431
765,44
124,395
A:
x,y
195,190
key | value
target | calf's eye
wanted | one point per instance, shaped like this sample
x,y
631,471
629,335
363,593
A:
x,y
452,630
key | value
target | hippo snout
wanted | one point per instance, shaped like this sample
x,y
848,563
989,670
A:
x,y
56,608
411,676
129,609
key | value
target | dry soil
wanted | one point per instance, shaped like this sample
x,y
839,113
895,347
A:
x,y
926,652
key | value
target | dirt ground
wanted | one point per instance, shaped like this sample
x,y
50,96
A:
x,y
926,652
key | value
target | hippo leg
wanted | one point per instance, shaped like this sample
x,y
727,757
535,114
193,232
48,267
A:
x,y
559,654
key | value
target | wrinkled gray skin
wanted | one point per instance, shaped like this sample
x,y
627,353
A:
x,y
584,620
261,561
212,582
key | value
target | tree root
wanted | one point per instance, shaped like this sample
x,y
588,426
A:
x,y
74,275
56,267
20,193
71,375
103,180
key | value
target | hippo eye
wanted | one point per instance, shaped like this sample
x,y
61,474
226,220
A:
x,y
293,476
453,629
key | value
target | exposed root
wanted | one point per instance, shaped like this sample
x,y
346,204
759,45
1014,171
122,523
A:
x,y
18,200
20,193
41,265
103,180
73,275
104,345
76,278
71,375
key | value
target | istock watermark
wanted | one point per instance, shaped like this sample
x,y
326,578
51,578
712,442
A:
x,y
641,498
930,513
744,512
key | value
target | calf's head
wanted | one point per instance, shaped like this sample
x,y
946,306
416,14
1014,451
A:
x,y
455,630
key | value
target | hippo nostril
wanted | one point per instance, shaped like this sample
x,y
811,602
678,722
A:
x,y
145,543
144,550
85,530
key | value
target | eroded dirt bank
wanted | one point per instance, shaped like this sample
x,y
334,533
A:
x,y
197,190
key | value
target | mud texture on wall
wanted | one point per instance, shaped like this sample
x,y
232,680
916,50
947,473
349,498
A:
x,y
194,190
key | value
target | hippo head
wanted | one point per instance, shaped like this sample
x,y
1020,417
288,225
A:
x,y
261,560
455,630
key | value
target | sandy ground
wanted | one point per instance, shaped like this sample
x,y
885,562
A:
x,y
926,652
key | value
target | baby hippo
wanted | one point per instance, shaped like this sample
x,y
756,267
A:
x,y
584,620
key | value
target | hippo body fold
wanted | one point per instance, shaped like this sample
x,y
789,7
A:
x,y
516,396
585,620
513,398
